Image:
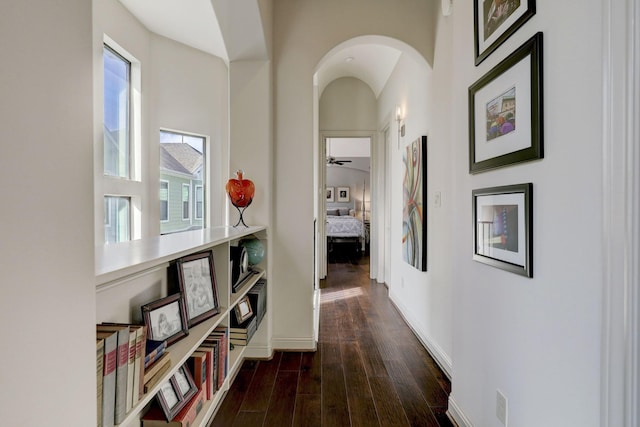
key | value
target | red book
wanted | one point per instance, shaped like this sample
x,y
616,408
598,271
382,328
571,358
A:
x,y
185,418
198,366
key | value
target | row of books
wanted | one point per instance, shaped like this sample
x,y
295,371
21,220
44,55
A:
x,y
208,366
120,370
240,333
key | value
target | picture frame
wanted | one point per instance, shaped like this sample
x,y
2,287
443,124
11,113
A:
x,y
506,111
414,189
176,392
503,227
497,20
330,194
197,282
243,310
343,194
166,319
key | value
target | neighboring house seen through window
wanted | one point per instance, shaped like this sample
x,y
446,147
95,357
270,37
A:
x,y
182,177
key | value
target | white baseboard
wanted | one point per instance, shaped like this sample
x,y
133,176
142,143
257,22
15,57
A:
x,y
455,413
296,344
441,358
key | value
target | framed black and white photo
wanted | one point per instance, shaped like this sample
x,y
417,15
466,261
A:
x,y
496,20
243,310
166,319
505,111
197,281
343,194
503,229
176,392
330,195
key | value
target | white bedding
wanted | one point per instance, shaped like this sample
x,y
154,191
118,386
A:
x,y
344,226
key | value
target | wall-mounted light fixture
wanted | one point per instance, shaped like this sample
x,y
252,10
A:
x,y
447,6
400,120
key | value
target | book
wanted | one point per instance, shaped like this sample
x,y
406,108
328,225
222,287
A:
x,y
223,333
157,377
214,344
156,366
197,363
138,360
185,418
258,298
211,378
122,364
242,334
99,370
153,351
109,366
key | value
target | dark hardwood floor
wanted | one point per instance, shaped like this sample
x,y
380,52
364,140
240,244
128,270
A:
x,y
369,368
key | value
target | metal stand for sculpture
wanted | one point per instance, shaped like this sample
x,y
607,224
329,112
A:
x,y
241,212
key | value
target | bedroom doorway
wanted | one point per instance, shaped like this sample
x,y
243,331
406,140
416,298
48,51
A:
x,y
347,201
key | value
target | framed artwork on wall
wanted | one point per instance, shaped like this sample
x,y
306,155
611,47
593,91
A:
x,y
414,187
343,194
502,227
506,111
496,20
330,195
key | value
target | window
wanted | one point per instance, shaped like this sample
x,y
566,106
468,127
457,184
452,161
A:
x,y
117,96
117,219
199,202
164,200
182,168
185,201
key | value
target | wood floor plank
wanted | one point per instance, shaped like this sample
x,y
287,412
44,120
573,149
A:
x,y
335,409
311,373
283,400
308,412
259,392
388,405
290,361
232,402
363,411
249,419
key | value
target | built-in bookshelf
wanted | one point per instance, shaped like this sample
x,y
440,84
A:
x,y
134,273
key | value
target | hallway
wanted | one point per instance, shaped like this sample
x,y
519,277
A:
x,y
369,368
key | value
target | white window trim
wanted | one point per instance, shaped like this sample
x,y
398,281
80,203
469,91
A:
x,y
195,202
188,218
168,201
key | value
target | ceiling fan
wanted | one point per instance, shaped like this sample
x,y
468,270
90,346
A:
x,y
333,161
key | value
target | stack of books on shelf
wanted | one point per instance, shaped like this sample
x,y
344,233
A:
x,y
211,356
120,370
156,363
240,333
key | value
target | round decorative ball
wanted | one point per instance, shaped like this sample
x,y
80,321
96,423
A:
x,y
254,248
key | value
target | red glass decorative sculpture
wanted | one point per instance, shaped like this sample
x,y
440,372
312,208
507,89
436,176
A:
x,y
240,193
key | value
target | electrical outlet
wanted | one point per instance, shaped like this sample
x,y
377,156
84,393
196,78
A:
x,y
437,199
501,407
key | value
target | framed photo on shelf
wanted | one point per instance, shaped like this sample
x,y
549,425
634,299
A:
x,y
176,392
243,310
343,194
330,195
506,111
496,20
197,281
166,319
503,230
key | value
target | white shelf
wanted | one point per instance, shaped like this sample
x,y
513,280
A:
x,y
114,261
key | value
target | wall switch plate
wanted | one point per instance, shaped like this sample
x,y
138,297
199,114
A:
x,y
501,407
437,199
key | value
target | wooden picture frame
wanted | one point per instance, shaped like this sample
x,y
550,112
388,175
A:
x,y
495,21
197,282
414,212
166,319
506,111
330,194
503,228
176,392
243,310
343,194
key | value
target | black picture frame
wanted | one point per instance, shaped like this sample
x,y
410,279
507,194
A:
x,y
176,392
414,206
506,111
493,29
197,282
503,227
166,319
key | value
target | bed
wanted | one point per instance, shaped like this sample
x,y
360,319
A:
x,y
344,228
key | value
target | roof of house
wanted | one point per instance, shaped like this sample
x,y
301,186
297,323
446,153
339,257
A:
x,y
180,157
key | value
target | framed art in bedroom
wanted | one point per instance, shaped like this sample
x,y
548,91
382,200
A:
x,y
503,231
330,195
496,20
343,194
506,111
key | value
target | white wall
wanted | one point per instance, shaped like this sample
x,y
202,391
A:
x,y
537,340
425,298
301,39
47,293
